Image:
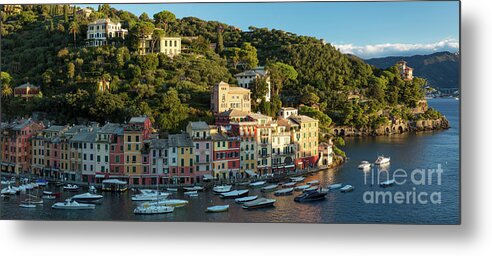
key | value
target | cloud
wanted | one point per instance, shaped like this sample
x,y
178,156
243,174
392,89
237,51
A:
x,y
398,49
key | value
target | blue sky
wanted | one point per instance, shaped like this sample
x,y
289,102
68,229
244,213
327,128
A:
x,y
370,29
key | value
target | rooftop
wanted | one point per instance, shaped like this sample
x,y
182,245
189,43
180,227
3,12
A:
x,y
253,72
26,85
200,125
180,140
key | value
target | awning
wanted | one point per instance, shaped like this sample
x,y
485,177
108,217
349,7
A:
x,y
208,177
250,172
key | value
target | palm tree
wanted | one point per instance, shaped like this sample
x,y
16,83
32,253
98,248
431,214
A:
x,y
6,90
74,29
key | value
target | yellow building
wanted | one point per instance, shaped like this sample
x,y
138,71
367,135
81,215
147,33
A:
x,y
305,137
226,97
171,46
181,165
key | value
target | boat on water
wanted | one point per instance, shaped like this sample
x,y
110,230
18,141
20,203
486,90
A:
x,y
313,182
27,205
147,209
297,179
218,208
42,182
364,165
194,188
334,186
311,188
92,189
347,188
259,203
301,187
114,185
382,160
257,184
246,183
387,183
234,194
70,187
4,182
222,189
49,197
170,202
289,184
172,189
70,204
269,188
87,197
308,196
193,192
150,196
245,199
284,192
9,190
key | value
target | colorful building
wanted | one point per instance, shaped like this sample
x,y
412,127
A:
x,y
226,97
283,149
304,134
247,132
26,91
135,133
406,72
203,150
181,165
99,31
226,156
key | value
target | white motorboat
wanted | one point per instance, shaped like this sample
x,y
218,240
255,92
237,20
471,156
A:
x,y
334,186
269,188
193,192
4,182
283,192
72,205
387,183
235,194
313,182
382,160
222,189
70,187
257,184
9,190
147,209
49,197
297,179
364,165
194,188
218,208
289,184
87,197
92,189
27,205
245,199
311,188
170,202
172,189
259,203
301,187
150,196
347,188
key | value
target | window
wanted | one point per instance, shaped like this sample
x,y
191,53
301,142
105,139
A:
x,y
137,138
129,138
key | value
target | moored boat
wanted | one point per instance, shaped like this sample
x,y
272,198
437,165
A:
x,y
347,188
382,160
289,184
72,205
257,184
150,196
308,196
364,165
259,203
147,209
301,187
49,197
218,208
283,192
311,188
26,205
70,187
170,202
297,179
387,183
269,188
87,197
222,189
172,189
334,186
9,190
235,194
194,188
313,182
245,199
114,185
42,182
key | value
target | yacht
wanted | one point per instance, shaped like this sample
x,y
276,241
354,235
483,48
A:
x,y
194,188
382,160
87,197
364,165
312,195
259,203
9,190
222,189
147,209
72,205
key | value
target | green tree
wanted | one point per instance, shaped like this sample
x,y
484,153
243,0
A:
x,y
248,56
5,80
281,72
74,29
162,19
70,70
220,42
141,31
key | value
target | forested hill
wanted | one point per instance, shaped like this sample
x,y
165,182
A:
x,y
441,69
44,45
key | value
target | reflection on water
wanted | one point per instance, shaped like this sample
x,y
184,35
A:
x,y
408,151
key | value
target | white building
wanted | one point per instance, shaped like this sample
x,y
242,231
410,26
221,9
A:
x,y
246,79
99,31
287,111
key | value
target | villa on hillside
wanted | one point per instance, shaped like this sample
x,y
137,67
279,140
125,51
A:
x,y
171,46
406,72
26,91
246,79
99,31
225,97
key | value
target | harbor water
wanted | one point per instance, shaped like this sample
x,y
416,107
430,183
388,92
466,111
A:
x,y
423,151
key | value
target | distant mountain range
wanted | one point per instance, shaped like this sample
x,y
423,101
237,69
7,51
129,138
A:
x,y
441,69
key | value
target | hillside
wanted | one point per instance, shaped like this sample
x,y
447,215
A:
x,y
42,45
441,69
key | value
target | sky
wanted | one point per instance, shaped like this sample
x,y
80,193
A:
x,y
366,29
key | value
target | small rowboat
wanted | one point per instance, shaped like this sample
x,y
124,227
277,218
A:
x,y
259,203
234,194
257,184
289,184
269,188
22,205
313,182
297,179
347,188
49,197
283,192
387,183
334,186
218,208
71,187
222,189
311,188
245,199
301,187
